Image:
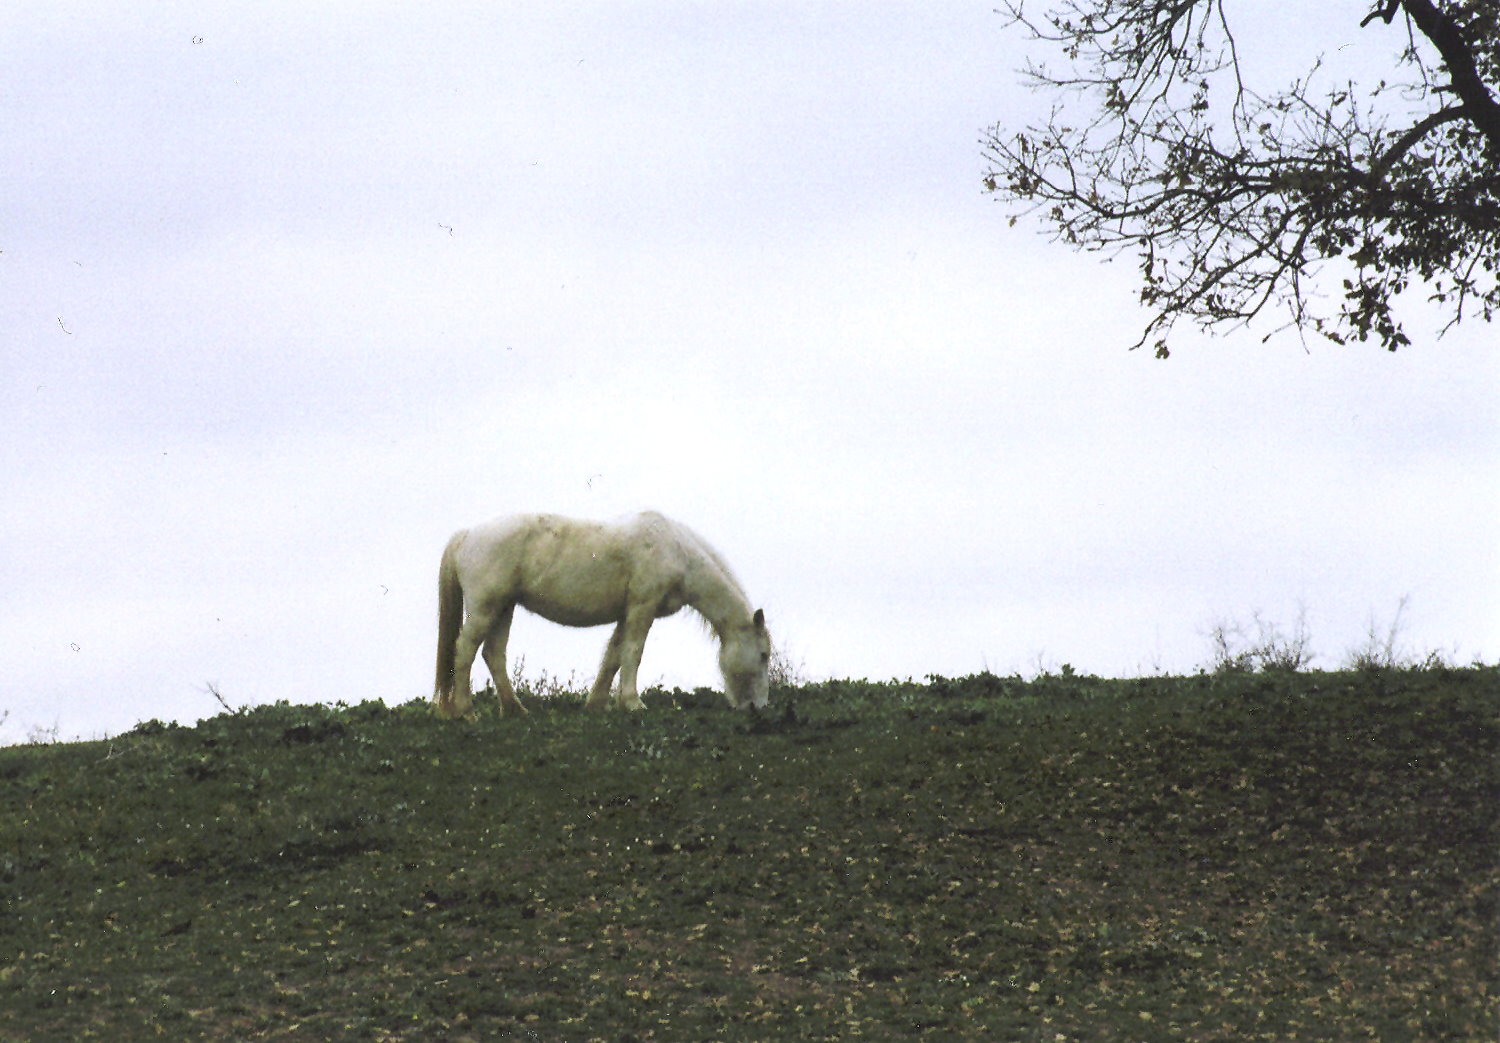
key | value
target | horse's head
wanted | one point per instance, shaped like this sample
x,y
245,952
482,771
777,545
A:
x,y
745,659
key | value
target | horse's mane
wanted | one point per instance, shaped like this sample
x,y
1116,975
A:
x,y
718,560
705,553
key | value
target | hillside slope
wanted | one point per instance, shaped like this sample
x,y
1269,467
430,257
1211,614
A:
x,y
1235,857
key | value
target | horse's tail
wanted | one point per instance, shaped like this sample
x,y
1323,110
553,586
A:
x,y
450,619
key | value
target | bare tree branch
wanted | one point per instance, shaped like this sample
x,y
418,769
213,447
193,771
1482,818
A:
x,y
1235,210
1410,139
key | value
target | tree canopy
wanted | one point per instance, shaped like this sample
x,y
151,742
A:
x,y
1240,204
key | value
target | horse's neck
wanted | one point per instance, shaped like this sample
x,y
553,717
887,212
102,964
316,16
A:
x,y
715,596
709,588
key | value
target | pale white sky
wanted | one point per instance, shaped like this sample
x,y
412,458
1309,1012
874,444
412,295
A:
x,y
291,292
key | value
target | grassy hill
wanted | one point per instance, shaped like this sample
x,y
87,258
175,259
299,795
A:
x,y
1220,857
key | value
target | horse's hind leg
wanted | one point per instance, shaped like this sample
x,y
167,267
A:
x,y
599,697
461,700
494,658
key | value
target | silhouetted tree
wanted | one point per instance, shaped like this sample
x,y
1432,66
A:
x,y
1235,201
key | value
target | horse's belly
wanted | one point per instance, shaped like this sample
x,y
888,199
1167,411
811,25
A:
x,y
572,612
577,591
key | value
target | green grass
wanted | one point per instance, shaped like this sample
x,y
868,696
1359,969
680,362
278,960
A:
x,y
1220,857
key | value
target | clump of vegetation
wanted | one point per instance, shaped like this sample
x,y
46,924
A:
x,y
1244,856
787,670
543,685
1385,648
1236,650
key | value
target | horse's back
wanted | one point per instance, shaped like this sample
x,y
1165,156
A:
x,y
505,528
490,553
571,571
646,534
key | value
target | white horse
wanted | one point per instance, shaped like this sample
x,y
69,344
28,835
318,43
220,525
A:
x,y
583,574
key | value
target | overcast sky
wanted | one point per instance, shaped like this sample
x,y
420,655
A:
x,y
289,292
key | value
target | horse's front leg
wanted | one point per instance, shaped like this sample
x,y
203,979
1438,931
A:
x,y
608,667
632,644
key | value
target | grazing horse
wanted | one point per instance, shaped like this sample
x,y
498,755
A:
x,y
583,574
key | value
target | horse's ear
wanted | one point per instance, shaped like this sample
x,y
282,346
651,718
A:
x,y
760,619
